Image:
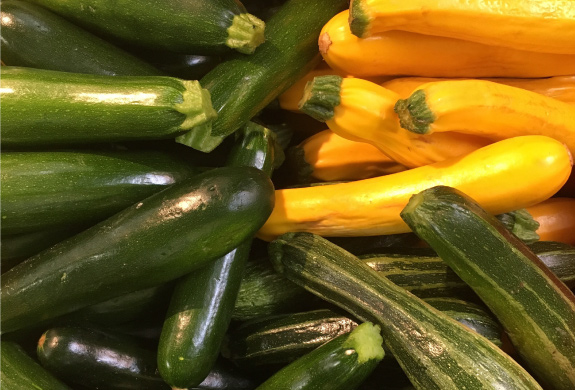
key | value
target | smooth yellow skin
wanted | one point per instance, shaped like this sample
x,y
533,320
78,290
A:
x,y
560,87
365,114
334,158
546,26
556,217
501,177
404,53
497,111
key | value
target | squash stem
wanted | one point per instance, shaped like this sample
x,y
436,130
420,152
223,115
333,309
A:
x,y
414,114
358,19
246,33
321,96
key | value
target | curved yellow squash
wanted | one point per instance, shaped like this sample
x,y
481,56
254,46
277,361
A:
x,y
486,109
365,114
546,26
334,158
560,87
504,176
404,53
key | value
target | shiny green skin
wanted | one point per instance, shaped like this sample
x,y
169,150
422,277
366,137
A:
x,y
62,189
435,351
198,27
18,371
243,85
98,359
535,308
34,37
158,239
203,302
47,107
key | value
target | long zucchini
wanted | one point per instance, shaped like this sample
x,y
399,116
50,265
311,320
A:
x,y
98,108
435,351
535,308
34,37
63,189
161,238
198,27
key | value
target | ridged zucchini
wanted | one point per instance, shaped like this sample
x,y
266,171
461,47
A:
x,y
535,308
198,27
34,37
342,363
64,189
161,238
98,108
435,351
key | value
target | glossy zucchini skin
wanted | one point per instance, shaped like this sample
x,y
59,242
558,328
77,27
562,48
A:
x,y
18,371
98,359
203,302
63,189
34,37
242,86
158,239
98,108
199,27
458,358
535,308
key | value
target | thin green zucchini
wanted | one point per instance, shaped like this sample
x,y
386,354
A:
x,y
98,359
98,108
342,363
34,37
161,238
535,308
18,371
198,27
435,351
202,303
242,86
64,189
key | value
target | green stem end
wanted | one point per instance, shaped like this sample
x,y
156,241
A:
x,y
246,33
358,19
367,342
414,114
321,96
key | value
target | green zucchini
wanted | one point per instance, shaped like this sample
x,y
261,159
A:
x,y
63,189
242,86
98,108
342,363
18,371
202,304
198,27
34,37
161,238
559,258
98,359
435,351
183,66
535,308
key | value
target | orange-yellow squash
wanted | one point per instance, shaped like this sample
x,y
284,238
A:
x,y
404,53
486,109
326,156
536,25
362,111
504,176
556,217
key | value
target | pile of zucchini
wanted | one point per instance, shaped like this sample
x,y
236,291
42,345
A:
x,y
143,150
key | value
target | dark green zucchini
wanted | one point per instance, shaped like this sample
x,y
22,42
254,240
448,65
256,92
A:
x,y
64,189
34,37
202,304
242,86
535,308
18,371
183,66
98,359
435,351
342,363
198,27
559,258
161,238
97,108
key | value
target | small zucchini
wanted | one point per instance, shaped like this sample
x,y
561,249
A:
x,y
98,108
435,351
535,308
159,239
342,363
